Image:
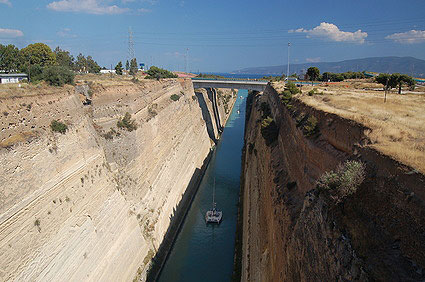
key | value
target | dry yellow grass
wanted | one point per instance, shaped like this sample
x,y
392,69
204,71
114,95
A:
x,y
397,126
17,138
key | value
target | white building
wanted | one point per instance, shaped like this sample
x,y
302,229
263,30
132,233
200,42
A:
x,y
12,77
107,71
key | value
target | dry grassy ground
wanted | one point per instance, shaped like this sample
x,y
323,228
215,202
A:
x,y
397,126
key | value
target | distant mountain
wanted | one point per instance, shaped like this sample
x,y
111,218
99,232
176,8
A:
x,y
406,65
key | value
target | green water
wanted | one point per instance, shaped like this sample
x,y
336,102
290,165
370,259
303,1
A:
x,y
204,252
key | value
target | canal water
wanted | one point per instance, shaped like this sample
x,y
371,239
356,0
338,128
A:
x,y
204,252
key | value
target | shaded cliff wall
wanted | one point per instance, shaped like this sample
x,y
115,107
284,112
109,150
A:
x,y
292,232
94,203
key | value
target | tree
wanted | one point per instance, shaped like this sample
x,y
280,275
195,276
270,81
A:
x,y
405,79
383,78
388,80
118,68
157,73
81,63
92,65
9,58
127,65
64,58
313,73
37,54
58,76
133,66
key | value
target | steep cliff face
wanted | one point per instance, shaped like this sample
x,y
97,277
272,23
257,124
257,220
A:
x,y
95,203
293,231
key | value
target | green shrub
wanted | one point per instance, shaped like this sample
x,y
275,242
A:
x,y
211,76
111,134
175,97
286,96
342,182
36,73
269,130
58,126
152,111
310,126
313,92
157,73
291,87
57,76
127,123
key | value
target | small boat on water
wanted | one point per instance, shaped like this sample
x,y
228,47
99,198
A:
x,y
239,112
213,215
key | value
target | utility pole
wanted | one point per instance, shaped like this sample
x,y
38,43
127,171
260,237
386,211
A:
x,y
186,59
287,74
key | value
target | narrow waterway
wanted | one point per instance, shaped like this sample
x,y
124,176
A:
x,y
204,252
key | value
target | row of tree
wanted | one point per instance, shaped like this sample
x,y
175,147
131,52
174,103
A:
x,y
395,80
130,67
39,54
388,80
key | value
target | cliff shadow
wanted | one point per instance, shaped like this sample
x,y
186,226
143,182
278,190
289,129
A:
x,y
212,96
176,221
206,116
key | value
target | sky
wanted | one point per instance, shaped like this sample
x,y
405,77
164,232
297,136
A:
x,y
218,35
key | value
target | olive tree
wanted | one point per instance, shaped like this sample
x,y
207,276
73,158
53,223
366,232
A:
x,y
313,73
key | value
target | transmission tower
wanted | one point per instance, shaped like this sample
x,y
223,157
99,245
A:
x,y
131,53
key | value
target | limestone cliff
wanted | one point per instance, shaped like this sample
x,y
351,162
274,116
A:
x,y
95,203
294,232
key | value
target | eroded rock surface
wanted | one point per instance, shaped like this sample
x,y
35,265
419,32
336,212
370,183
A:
x,y
95,203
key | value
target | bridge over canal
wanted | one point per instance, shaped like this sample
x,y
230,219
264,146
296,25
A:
x,y
257,85
212,84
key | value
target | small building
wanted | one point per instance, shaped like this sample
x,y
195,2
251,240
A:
x,y
12,77
108,71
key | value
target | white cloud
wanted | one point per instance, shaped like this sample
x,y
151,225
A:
x,y
7,2
66,33
152,2
332,32
313,60
143,10
10,33
408,37
97,7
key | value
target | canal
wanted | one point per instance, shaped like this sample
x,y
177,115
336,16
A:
x,y
204,252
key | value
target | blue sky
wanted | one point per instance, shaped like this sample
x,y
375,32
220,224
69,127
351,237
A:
x,y
221,35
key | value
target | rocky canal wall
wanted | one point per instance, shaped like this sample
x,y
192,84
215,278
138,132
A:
x,y
294,231
95,202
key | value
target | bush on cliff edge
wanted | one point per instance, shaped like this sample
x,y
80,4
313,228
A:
x,y
342,182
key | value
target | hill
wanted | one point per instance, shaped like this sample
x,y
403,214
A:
x,y
407,65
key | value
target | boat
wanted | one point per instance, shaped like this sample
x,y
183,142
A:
x,y
239,112
213,215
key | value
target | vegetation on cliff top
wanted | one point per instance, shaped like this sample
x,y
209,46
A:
x,y
157,73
